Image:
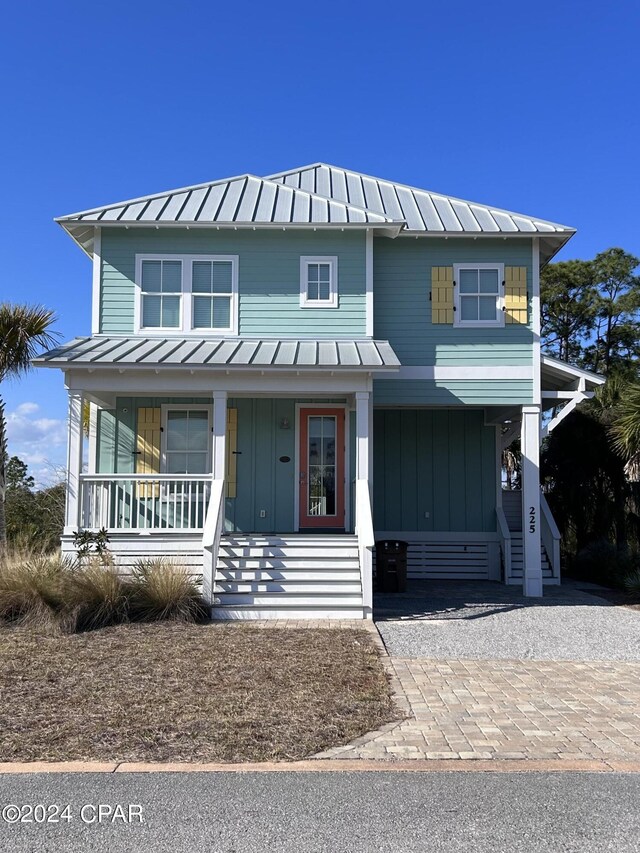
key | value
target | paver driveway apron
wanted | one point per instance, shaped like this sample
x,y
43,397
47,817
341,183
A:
x,y
484,673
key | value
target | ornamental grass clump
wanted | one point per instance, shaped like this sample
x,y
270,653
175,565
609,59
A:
x,y
632,584
160,589
96,596
33,589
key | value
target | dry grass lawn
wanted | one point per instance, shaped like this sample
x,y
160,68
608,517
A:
x,y
174,692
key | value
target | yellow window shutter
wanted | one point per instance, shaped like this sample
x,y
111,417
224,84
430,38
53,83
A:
x,y
515,294
442,295
232,446
148,449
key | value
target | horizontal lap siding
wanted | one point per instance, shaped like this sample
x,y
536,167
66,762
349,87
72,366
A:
x,y
269,277
437,462
427,392
402,312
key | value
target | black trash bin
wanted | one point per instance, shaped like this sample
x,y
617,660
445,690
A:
x,y
391,565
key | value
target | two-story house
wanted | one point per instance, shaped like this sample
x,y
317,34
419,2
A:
x,y
283,370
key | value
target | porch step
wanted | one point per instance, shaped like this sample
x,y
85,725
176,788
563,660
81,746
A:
x,y
297,576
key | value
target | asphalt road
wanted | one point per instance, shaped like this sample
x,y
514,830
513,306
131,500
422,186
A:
x,y
338,812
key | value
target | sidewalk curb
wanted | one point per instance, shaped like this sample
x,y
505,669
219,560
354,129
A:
x,y
334,766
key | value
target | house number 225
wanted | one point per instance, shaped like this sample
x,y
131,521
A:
x,y
532,519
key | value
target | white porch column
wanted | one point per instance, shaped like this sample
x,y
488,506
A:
x,y
530,448
219,449
363,420
74,464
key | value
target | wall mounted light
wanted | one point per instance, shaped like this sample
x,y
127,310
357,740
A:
x,y
284,423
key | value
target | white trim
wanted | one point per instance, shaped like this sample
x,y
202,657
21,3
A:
x,y
531,521
296,459
74,463
219,440
258,383
332,261
369,284
165,408
570,370
96,282
535,318
92,459
477,372
185,326
500,303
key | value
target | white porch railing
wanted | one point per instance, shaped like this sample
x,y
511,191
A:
x,y
211,535
366,543
550,536
144,502
505,541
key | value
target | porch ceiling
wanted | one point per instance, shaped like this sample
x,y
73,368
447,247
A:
x,y
237,353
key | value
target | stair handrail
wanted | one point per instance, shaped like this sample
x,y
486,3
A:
x,y
211,535
504,535
366,542
550,536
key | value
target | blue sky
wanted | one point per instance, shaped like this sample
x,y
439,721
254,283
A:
x,y
529,108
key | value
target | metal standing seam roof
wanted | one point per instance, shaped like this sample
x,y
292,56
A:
x,y
422,210
244,199
248,353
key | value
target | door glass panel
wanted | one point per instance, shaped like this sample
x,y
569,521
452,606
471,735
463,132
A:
x,y
321,495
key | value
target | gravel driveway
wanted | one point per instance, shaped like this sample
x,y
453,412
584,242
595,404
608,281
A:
x,y
486,621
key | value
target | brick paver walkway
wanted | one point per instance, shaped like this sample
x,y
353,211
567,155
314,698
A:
x,y
508,710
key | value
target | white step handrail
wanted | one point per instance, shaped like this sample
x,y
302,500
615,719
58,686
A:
x,y
550,535
366,543
211,536
504,535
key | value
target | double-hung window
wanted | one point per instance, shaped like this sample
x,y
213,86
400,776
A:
x,y
212,294
319,282
187,440
478,294
161,294
187,293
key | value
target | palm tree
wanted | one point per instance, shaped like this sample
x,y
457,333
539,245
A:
x,y
24,330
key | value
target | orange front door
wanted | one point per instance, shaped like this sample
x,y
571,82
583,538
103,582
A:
x,y
322,452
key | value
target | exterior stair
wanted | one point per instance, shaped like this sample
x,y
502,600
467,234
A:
x,y
291,576
512,506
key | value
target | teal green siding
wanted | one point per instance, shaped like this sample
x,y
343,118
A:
x,y
437,462
269,277
426,392
402,313
402,309
263,481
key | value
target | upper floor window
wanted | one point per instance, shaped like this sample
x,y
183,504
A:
x,y
478,294
319,282
185,293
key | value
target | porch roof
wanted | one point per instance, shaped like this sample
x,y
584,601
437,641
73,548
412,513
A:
x,y
238,353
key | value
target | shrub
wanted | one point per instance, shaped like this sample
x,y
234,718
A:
x,y
163,590
601,562
631,583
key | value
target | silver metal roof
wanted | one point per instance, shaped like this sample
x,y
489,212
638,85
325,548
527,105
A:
x,y
321,196
243,200
420,209
249,353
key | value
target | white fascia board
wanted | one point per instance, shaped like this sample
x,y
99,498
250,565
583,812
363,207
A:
x,y
257,384
475,372
571,371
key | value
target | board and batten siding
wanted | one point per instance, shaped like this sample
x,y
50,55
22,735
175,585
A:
x,y
436,462
269,277
263,480
402,315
